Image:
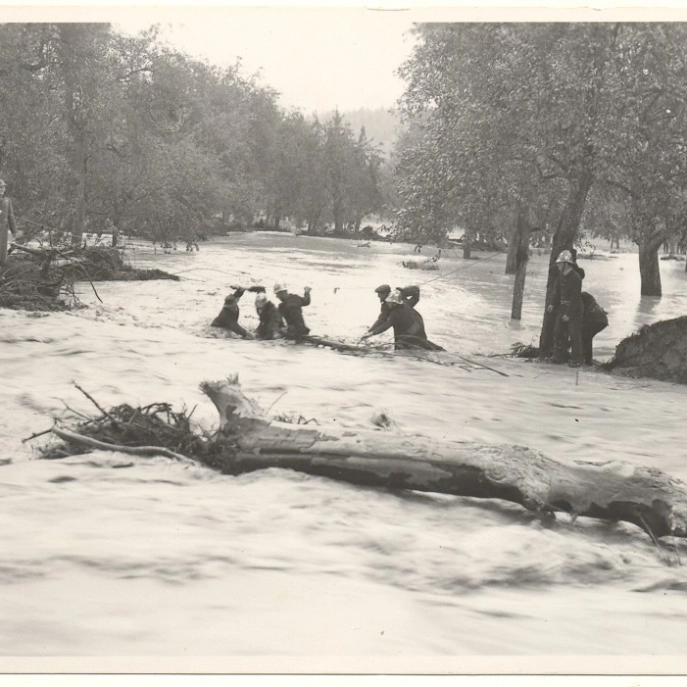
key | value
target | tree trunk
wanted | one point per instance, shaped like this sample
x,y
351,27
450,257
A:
x,y
512,255
80,168
644,496
521,239
72,38
468,237
563,239
338,211
649,264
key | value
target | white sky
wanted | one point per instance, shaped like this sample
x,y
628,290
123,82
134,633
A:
x,y
324,53
317,58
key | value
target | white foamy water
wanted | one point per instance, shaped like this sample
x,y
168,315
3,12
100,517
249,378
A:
x,y
109,555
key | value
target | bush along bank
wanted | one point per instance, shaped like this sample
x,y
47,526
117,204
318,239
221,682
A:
x,y
42,279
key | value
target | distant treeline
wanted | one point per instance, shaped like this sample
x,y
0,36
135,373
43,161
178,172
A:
x,y
100,128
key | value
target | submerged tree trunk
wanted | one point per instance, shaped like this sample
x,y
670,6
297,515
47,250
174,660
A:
x,y
80,169
648,263
468,238
611,490
513,243
72,38
338,212
521,239
563,239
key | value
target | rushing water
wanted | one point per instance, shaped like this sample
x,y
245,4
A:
x,y
108,555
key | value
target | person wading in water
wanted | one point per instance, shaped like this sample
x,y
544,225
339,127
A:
x,y
409,329
228,317
291,309
271,323
409,294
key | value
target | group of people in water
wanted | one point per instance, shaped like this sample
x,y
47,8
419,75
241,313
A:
x,y
276,322
286,320
578,318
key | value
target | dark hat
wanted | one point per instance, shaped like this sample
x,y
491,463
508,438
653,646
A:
x,y
384,288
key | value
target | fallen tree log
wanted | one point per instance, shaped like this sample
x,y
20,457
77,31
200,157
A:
x,y
644,496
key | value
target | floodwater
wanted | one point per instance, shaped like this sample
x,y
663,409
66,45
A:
x,y
110,555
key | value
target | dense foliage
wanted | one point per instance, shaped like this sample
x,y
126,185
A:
x,y
101,130
551,117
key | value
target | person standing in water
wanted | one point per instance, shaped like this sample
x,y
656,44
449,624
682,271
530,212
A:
x,y
567,305
594,320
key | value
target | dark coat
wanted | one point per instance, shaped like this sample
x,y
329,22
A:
x,y
567,294
410,296
593,315
409,329
271,323
229,315
291,309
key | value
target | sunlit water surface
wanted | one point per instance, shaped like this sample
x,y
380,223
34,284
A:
x,y
105,554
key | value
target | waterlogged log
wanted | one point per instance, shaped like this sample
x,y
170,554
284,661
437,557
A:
x,y
645,496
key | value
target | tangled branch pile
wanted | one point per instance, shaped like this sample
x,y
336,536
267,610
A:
x,y
658,350
522,350
43,278
136,430
107,264
27,283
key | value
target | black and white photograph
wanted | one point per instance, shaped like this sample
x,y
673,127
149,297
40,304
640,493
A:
x,y
342,340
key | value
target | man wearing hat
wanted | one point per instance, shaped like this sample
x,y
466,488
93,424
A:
x,y
228,317
271,323
567,302
409,294
409,329
7,224
291,309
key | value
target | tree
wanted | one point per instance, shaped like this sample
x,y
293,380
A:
x,y
32,138
569,101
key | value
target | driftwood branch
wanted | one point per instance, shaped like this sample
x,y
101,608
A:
x,y
96,404
644,496
81,440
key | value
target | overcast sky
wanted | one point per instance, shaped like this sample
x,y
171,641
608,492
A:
x,y
317,58
320,57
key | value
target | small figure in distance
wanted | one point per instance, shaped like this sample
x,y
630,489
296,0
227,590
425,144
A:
x,y
291,309
271,323
228,317
594,320
567,305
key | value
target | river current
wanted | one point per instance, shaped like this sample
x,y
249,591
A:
x,y
108,555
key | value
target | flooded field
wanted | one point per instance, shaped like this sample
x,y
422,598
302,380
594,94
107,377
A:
x,y
108,555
